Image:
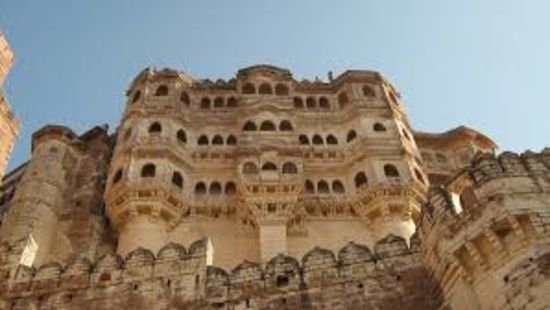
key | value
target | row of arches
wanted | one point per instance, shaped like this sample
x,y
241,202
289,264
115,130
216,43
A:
x,y
156,129
250,168
218,102
217,140
267,125
324,187
149,170
265,88
215,188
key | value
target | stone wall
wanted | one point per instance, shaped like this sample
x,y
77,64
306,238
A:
x,y
391,276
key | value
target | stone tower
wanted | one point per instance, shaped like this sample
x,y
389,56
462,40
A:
x,y
269,157
9,125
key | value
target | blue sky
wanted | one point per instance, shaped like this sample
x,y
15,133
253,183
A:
x,y
482,63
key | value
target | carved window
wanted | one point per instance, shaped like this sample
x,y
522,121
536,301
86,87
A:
x,y
136,97
378,127
177,179
338,187
232,102
148,171
343,100
117,177
250,168
182,137
215,189
219,102
265,89
269,166
368,91
281,89
162,90
304,140
217,140
298,103
309,187
282,281
391,171
267,126
440,158
332,140
317,140
322,187
248,89
200,189
351,136
203,140
184,98
323,103
155,128
249,126
360,180
285,126
205,103
231,140
290,168
311,103
230,188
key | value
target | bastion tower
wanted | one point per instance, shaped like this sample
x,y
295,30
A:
x,y
263,164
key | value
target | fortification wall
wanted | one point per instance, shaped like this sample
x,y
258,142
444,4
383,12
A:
x,y
390,276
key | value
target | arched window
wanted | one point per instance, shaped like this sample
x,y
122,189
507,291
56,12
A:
x,y
419,176
184,98
230,188
311,103
332,140
265,89
215,188
351,136
136,97
309,188
231,140
338,187
378,127
248,89
290,168
182,137
343,100
322,187
217,140
285,126
360,180
200,189
440,158
148,171
304,140
317,140
368,91
267,126
232,102
250,168
177,179
155,128
203,140
269,166
298,103
219,102
205,103
249,126
323,103
281,89
391,171
117,177
162,90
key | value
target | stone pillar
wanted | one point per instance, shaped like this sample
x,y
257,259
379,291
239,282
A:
x,y
146,231
272,240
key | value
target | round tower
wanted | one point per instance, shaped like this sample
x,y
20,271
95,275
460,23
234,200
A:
x,y
145,194
41,193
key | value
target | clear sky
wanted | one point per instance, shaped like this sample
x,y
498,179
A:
x,y
482,63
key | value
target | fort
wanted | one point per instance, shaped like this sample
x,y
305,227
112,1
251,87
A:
x,y
265,192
